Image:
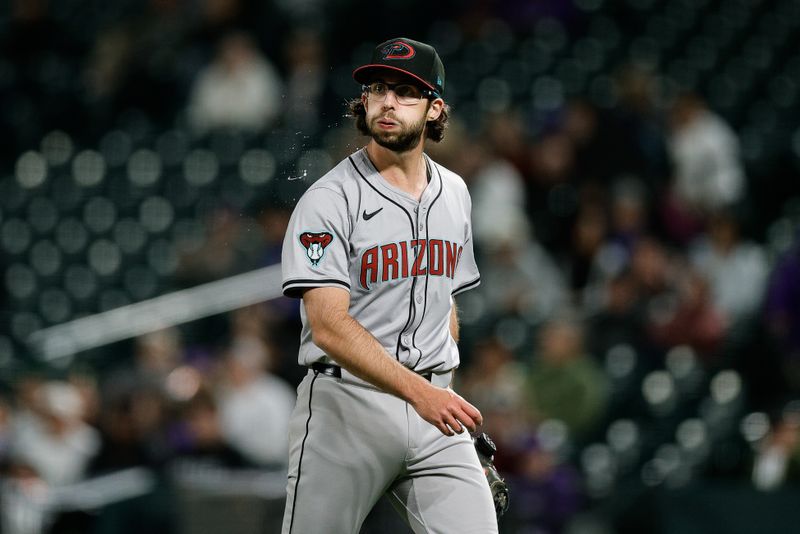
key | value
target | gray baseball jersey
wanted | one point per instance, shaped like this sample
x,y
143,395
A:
x,y
401,260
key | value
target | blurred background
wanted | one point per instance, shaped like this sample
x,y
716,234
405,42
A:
x,y
635,173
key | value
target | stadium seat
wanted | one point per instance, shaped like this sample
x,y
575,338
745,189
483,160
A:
x,y
16,236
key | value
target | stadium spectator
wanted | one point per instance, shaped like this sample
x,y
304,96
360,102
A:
x,y
564,382
619,319
708,172
736,269
135,405
157,354
642,275
549,490
688,317
581,124
588,238
552,194
606,248
782,313
493,182
239,90
629,215
652,267
632,136
55,442
495,381
203,443
254,405
129,439
777,458
507,137
519,275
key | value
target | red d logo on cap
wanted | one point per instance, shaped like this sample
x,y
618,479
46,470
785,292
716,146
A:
x,y
398,50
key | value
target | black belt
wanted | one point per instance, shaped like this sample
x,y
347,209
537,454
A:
x,y
335,371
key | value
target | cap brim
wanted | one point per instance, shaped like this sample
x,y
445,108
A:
x,y
361,74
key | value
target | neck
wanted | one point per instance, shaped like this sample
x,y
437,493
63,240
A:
x,y
405,170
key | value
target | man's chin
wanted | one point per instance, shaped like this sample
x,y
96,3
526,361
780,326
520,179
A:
x,y
394,142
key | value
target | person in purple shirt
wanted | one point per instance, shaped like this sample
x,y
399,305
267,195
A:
x,y
782,312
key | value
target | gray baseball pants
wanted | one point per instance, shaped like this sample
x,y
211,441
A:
x,y
350,444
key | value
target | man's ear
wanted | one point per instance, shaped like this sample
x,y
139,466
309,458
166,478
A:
x,y
364,100
435,109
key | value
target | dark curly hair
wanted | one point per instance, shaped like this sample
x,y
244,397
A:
x,y
434,130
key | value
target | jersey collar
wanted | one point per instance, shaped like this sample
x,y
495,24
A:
x,y
375,178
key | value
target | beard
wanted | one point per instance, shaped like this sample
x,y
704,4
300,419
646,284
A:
x,y
402,141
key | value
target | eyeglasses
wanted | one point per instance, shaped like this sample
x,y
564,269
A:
x,y
406,93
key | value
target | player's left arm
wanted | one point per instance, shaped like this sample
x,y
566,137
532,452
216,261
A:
x,y
454,327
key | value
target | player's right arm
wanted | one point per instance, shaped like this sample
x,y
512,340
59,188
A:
x,y
346,341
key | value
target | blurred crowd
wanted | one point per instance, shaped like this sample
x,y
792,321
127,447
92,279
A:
x,y
614,242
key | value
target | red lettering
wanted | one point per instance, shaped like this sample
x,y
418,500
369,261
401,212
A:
x,y
393,260
418,269
404,258
436,257
369,267
389,254
452,257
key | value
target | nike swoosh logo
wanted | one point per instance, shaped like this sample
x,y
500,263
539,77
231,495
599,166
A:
x,y
368,216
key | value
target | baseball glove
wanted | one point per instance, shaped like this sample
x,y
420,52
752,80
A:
x,y
486,451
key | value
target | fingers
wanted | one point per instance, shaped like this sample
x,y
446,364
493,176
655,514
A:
x,y
471,411
453,423
474,414
444,429
463,414
466,420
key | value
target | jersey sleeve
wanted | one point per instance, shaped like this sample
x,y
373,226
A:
x,y
315,247
466,275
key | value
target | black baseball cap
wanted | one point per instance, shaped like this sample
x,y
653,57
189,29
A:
x,y
416,59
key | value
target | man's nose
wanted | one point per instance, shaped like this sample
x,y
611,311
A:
x,y
390,103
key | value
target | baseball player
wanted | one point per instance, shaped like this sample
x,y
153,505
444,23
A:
x,y
377,249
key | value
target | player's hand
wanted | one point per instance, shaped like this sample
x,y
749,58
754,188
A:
x,y
447,410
